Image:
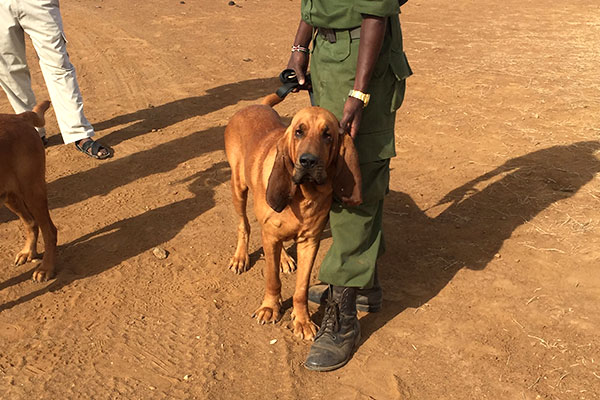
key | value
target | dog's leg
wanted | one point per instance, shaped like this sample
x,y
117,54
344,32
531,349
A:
x,y
303,326
240,261
288,264
29,252
36,200
269,310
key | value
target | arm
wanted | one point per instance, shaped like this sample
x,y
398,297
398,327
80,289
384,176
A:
x,y
298,60
371,40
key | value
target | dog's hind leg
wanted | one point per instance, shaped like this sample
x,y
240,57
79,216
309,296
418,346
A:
x,y
29,252
240,262
36,201
270,309
288,264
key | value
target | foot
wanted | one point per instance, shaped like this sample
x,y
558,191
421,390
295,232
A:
x,y
24,256
287,264
268,312
239,263
43,273
93,149
304,328
339,333
367,300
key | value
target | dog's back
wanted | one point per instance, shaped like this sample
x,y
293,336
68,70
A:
x,y
249,133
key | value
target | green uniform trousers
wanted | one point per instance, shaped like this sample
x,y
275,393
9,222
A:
x,y
357,231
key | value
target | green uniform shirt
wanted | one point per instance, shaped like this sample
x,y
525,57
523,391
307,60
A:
x,y
333,69
345,14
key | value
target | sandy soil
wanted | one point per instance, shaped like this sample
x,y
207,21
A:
x,y
491,277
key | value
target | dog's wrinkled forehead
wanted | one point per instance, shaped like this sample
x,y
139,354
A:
x,y
315,118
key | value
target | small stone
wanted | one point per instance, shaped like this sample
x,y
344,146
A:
x,y
247,60
160,253
182,2
273,341
231,3
186,378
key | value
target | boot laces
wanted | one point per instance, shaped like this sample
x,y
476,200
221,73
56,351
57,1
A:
x,y
331,319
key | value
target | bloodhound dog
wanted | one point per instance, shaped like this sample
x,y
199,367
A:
x,y
293,172
23,184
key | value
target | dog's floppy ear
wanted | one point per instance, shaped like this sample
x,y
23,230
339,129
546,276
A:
x,y
347,182
280,188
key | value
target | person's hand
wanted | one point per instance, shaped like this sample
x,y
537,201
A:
x,y
350,122
299,63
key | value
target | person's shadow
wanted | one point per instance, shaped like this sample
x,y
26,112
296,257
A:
x,y
105,248
156,117
424,254
111,174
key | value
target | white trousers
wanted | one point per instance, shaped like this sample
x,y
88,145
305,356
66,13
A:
x,y
41,21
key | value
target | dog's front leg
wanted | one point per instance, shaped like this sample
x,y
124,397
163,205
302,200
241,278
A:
x,y
270,308
303,327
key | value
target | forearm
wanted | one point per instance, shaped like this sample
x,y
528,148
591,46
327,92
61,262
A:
x,y
303,35
372,33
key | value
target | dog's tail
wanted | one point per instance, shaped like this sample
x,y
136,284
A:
x,y
272,100
36,117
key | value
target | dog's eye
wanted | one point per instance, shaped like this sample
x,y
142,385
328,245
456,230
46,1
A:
x,y
299,133
326,134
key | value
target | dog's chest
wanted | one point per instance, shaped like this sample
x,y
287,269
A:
x,y
302,219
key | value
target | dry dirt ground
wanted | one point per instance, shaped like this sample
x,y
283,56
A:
x,y
491,276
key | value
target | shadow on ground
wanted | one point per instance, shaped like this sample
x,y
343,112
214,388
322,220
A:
x,y
424,254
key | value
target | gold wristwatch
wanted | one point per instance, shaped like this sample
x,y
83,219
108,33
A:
x,y
357,94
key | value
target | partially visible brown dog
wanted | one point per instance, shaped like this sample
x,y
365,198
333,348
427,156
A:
x,y
23,184
293,172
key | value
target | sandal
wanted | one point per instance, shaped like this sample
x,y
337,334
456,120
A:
x,y
95,147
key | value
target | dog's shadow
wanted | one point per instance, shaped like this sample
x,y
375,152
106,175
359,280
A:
x,y
107,247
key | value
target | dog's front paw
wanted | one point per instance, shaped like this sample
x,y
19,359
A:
x,y
25,256
239,264
304,328
43,273
267,314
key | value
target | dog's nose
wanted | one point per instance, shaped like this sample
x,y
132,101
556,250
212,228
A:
x,y
308,160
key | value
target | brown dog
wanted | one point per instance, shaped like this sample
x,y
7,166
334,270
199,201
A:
x,y
23,184
293,173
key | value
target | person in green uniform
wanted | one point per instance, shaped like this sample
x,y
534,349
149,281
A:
x,y
358,70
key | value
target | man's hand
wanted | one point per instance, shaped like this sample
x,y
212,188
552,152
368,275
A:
x,y
350,122
299,60
299,63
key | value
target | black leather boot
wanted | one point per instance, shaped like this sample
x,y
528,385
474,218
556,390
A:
x,y
339,333
367,300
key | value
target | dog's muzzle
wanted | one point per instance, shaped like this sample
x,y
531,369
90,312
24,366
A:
x,y
309,169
